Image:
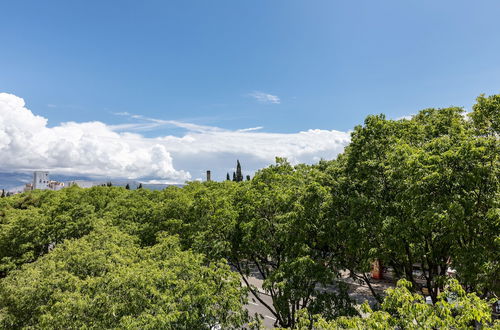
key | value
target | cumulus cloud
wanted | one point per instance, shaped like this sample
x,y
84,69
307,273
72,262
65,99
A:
x,y
91,148
265,98
98,149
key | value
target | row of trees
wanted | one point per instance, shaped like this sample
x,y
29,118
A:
x,y
238,174
422,191
127,186
5,193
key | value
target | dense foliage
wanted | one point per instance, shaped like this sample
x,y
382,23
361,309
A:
x,y
402,309
412,193
106,280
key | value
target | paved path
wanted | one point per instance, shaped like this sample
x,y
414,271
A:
x,y
359,292
255,307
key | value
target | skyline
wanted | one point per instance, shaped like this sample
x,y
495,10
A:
x,y
165,91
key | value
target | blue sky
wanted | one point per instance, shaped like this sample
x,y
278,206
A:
x,y
286,66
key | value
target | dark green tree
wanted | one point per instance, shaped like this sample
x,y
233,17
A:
x,y
248,177
239,174
127,186
228,178
234,176
139,186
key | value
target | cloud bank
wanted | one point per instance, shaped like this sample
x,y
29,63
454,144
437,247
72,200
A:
x,y
98,149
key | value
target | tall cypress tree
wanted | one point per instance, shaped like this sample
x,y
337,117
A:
x,y
228,178
234,176
239,175
127,187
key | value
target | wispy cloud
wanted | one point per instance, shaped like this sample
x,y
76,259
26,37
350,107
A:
x,y
146,123
258,128
265,97
124,113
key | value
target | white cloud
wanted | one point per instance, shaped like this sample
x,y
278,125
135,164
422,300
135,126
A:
x,y
265,98
146,123
250,129
94,148
91,148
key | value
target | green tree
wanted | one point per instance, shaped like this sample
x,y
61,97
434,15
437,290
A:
x,y
280,236
402,309
105,280
361,197
419,192
486,115
37,222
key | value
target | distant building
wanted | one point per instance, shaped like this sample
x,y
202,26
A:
x,y
55,185
28,187
41,180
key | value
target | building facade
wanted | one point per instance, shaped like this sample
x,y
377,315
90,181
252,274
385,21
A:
x,y
41,180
